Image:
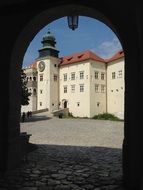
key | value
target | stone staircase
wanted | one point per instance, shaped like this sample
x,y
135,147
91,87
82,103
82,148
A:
x,y
61,112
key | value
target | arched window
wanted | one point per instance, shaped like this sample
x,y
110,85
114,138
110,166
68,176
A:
x,y
34,78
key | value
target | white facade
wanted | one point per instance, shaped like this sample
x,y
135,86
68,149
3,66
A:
x,y
31,77
83,82
97,88
115,87
78,88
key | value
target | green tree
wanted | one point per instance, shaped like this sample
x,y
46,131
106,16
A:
x,y
25,94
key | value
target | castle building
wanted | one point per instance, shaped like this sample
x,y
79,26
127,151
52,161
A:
x,y
83,82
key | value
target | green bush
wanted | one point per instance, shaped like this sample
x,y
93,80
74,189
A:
x,y
70,114
106,116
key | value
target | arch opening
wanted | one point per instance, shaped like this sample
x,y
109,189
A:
x,y
80,10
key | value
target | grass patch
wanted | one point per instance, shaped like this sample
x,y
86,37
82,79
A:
x,y
107,116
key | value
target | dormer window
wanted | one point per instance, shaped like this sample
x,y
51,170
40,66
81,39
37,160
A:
x,y
80,56
69,58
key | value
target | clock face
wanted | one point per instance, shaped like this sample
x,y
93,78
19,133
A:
x,y
41,66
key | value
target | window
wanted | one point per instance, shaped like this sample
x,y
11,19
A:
x,y
96,87
102,88
81,74
55,77
78,104
41,91
96,74
34,91
65,89
34,78
113,75
41,77
65,77
120,74
81,89
40,103
98,103
73,88
72,76
102,76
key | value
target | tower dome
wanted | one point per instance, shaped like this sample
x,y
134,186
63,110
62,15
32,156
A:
x,y
48,36
49,39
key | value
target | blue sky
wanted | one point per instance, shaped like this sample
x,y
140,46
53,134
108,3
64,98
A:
x,y
91,34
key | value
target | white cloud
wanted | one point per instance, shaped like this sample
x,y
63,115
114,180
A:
x,y
108,48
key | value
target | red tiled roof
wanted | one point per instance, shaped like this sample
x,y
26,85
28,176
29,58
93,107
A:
x,y
118,55
77,57
85,55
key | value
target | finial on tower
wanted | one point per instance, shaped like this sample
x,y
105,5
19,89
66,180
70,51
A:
x,y
49,32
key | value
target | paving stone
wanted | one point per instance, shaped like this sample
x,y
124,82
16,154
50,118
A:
x,y
36,172
89,187
29,188
53,182
39,183
44,180
65,182
62,187
46,188
33,175
58,176
28,184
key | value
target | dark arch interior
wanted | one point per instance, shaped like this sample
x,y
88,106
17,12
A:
x,y
127,27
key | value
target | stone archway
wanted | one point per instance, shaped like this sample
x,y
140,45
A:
x,y
35,25
131,37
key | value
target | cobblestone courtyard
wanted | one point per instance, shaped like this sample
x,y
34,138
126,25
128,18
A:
x,y
71,154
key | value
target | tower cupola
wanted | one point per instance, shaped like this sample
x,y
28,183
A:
x,y
48,48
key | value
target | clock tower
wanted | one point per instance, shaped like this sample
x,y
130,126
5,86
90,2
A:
x,y
48,74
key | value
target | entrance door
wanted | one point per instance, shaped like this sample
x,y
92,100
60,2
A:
x,y
65,104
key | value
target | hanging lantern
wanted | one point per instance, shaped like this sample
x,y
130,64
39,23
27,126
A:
x,y
72,22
